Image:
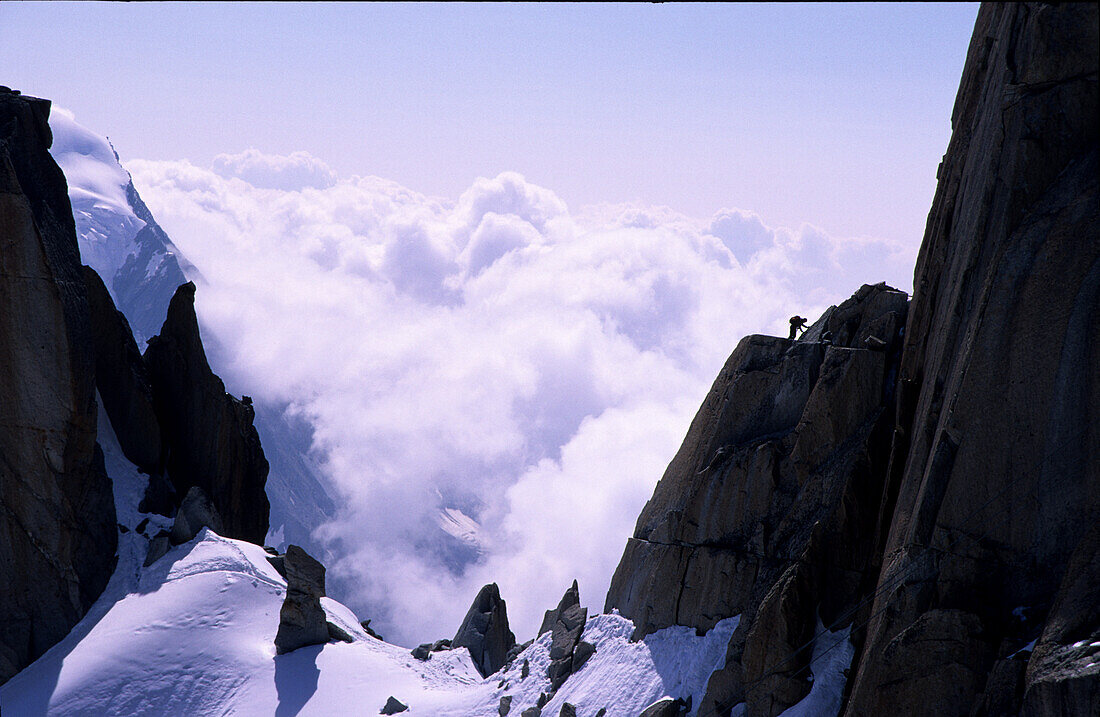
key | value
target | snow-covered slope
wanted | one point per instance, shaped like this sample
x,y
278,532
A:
x,y
194,634
118,237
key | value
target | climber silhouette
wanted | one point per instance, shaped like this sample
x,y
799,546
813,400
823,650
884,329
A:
x,y
797,324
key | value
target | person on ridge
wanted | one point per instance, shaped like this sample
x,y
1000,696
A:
x,y
797,324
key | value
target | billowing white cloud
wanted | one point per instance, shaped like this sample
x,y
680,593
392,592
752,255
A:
x,y
500,355
292,172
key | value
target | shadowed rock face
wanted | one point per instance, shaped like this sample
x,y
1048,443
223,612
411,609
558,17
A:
x,y
996,461
122,379
209,435
770,507
485,631
57,515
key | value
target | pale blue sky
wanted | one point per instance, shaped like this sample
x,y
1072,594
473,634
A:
x,y
832,114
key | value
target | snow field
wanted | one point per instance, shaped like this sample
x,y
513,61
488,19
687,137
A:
x,y
193,634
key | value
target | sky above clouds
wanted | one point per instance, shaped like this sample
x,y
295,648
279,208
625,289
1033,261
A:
x,y
496,255
831,114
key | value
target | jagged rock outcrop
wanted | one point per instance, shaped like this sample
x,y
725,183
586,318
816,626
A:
x,y
484,631
208,435
57,513
122,379
302,620
770,507
567,651
994,480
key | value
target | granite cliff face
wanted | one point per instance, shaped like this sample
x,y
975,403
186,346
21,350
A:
x,y
57,515
996,457
931,490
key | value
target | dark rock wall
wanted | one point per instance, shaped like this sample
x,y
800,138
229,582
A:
x,y
209,435
996,466
57,515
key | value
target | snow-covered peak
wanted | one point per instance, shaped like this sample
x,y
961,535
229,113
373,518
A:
x,y
117,235
96,179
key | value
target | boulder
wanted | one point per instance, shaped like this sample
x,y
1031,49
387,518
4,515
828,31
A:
x,y
393,706
423,652
337,633
583,651
209,436
567,710
302,620
278,562
484,631
505,705
516,651
159,546
195,513
57,513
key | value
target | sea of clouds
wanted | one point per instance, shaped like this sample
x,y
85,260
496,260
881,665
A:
x,y
499,354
